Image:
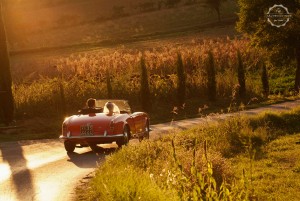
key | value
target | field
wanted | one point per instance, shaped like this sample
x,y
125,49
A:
x,y
54,73
90,22
239,159
57,46
51,87
64,87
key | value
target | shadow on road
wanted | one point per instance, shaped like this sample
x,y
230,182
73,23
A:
x,y
90,159
21,177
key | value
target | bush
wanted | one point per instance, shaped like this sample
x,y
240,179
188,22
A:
x,y
211,77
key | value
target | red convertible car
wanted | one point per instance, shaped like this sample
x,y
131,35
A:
x,y
99,126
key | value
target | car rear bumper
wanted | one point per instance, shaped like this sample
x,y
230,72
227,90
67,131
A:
x,y
98,139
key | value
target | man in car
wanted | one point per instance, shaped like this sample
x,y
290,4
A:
x,y
90,107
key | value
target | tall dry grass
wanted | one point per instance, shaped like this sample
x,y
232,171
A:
x,y
83,75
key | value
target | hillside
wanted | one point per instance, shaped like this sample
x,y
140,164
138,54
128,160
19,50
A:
x,y
39,24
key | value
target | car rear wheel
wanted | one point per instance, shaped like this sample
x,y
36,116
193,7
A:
x,y
94,147
69,146
126,136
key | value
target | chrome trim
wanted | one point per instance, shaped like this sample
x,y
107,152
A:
x,y
93,136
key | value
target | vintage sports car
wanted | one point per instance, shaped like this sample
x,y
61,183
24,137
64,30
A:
x,y
89,128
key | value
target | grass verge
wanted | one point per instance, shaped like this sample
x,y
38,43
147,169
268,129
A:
x,y
227,161
276,174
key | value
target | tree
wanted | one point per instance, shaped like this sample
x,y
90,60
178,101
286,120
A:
x,y
145,91
108,84
265,80
241,76
6,96
181,81
215,5
282,44
211,77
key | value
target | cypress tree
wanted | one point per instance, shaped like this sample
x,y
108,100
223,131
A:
x,y
144,91
6,96
181,81
108,84
62,98
265,80
211,77
241,76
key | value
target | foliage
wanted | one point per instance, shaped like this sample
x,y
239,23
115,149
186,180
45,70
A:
x,y
281,44
125,183
84,75
145,91
108,84
211,77
265,80
241,76
190,165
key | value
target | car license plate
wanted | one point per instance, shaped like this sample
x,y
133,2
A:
x,y
86,130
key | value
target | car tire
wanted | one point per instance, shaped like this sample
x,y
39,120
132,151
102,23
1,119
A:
x,y
69,146
94,147
126,137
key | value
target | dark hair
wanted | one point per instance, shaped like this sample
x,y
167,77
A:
x,y
91,102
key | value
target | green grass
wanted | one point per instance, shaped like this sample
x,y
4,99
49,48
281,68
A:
x,y
240,158
276,175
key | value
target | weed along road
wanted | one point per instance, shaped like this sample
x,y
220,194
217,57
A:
x,y
42,170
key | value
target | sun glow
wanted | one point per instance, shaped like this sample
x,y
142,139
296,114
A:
x,y
5,172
